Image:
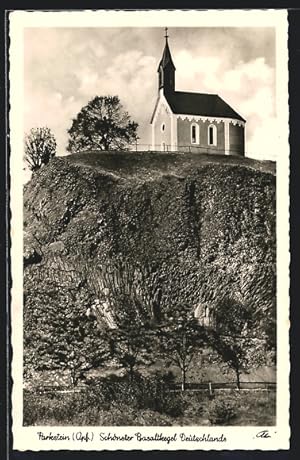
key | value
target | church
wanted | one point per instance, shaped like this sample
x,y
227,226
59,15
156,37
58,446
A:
x,y
193,122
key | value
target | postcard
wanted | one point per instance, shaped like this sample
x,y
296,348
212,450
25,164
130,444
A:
x,y
149,201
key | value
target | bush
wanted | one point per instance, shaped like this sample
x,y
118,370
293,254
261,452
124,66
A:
x,y
118,416
59,407
221,410
172,406
140,393
195,404
30,410
151,418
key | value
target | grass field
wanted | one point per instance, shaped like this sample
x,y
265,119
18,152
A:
x,y
250,408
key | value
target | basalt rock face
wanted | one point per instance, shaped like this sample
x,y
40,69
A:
x,y
189,237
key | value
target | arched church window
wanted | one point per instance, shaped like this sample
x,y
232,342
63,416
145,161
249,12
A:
x,y
194,133
163,127
212,135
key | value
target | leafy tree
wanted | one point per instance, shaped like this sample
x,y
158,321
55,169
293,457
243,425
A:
x,y
132,339
180,336
40,147
102,124
132,345
124,306
59,334
232,337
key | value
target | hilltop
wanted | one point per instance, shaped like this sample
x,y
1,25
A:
x,y
145,165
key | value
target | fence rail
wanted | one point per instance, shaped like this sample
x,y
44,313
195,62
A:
x,y
180,149
209,387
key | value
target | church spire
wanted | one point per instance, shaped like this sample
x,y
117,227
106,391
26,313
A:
x,y
166,69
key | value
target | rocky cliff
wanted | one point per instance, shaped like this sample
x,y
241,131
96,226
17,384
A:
x,y
170,227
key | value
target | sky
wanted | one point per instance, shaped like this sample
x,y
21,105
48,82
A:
x,y
64,68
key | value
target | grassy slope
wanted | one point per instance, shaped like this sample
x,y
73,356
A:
x,y
149,165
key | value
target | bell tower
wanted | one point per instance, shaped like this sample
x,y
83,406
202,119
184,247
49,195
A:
x,y
166,69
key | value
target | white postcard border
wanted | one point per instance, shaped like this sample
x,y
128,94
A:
x,y
245,438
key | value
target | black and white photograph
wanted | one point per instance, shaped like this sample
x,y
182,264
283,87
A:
x,y
149,198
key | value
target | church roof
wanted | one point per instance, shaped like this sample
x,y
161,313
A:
x,y
200,104
166,57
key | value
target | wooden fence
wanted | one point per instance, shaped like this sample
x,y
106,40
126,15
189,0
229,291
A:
x,y
209,387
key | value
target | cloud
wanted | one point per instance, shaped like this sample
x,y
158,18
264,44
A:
x,y
128,76
249,87
198,74
265,138
52,110
260,104
88,81
65,68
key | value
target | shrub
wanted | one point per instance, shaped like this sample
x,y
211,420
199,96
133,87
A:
x,y
151,418
30,410
140,393
118,416
90,416
173,406
221,410
41,408
194,404
115,391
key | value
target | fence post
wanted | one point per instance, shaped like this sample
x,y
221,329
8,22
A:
x,y
210,390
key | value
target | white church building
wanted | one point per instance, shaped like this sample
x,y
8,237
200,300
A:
x,y
193,122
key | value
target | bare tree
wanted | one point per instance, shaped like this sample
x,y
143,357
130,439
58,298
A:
x,y
40,147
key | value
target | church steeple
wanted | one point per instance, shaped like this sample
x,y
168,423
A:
x,y
166,69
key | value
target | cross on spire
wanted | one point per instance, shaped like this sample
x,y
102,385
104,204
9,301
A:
x,y
166,69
